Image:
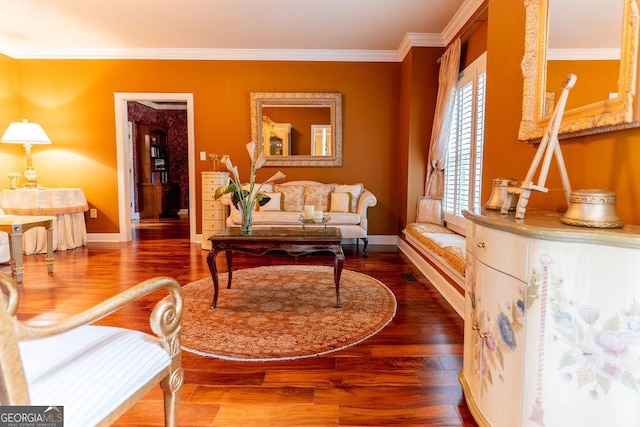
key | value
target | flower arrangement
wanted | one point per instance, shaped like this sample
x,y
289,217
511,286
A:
x,y
243,198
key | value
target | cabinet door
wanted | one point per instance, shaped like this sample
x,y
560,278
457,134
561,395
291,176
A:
x,y
472,340
501,315
494,342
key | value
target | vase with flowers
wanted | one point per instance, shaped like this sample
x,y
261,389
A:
x,y
246,197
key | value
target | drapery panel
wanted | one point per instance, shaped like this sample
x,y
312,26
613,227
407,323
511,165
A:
x,y
430,205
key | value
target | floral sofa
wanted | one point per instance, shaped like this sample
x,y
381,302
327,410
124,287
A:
x,y
346,205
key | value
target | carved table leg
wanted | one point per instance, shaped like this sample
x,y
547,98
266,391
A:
x,y
211,262
365,240
337,272
229,267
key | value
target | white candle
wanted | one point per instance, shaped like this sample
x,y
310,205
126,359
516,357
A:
x,y
309,212
317,216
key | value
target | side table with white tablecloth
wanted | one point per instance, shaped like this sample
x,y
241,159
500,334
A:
x,y
67,205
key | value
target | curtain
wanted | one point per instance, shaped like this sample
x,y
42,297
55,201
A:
x,y
430,205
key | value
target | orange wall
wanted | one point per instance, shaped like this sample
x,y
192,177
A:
x,y
74,102
11,156
596,80
606,161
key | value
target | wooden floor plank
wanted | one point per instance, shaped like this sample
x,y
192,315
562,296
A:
x,y
295,378
307,415
432,415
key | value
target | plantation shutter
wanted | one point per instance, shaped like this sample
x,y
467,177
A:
x,y
463,171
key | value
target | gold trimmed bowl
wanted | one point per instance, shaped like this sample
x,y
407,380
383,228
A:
x,y
592,208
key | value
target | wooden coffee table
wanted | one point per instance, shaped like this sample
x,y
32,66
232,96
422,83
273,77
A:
x,y
295,241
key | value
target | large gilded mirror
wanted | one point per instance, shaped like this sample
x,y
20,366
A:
x,y
297,128
597,40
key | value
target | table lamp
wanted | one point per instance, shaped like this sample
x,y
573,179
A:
x,y
27,134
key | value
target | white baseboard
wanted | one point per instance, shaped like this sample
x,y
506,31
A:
x,y
453,297
103,237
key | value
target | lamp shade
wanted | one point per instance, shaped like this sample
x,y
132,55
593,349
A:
x,y
25,132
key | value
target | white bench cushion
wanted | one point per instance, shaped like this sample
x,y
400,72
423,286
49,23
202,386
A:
x,y
86,360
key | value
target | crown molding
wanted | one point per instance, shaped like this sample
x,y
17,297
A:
x,y
462,16
344,55
419,40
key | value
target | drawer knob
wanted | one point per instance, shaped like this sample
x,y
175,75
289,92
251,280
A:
x,y
475,327
480,244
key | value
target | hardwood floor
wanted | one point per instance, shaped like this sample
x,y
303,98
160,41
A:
x,y
406,375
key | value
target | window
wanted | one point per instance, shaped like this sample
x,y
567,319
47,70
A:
x,y
463,171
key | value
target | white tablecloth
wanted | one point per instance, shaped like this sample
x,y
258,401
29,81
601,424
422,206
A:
x,y
67,205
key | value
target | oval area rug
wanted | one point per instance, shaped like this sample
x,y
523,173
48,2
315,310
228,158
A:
x,y
283,312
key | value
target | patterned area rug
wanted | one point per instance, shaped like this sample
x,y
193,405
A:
x,y
283,312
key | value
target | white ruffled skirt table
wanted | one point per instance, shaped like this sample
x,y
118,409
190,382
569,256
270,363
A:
x,y
67,205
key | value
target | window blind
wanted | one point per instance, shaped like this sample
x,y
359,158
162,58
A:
x,y
463,170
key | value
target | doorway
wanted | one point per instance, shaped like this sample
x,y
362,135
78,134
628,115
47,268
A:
x,y
124,152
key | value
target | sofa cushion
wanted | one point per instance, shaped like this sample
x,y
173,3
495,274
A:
x,y
266,188
318,196
340,202
274,204
293,196
354,189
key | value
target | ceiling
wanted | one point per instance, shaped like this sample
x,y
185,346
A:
x,y
360,30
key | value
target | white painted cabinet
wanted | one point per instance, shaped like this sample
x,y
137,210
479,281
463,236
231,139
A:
x,y
214,213
552,322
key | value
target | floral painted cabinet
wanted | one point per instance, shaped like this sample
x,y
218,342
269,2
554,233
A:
x,y
494,327
586,370
552,322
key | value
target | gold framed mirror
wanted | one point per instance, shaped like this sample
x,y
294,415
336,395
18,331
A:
x,y
298,128
607,99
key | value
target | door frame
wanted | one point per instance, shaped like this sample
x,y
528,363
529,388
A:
x,y
124,154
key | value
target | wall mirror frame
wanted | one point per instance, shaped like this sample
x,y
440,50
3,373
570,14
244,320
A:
x,y
265,100
619,112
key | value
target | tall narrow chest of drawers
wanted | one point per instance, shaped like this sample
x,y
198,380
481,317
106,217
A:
x,y
214,213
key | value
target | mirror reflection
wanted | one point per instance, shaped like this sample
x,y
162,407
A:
x,y
296,124
598,41
584,38
298,129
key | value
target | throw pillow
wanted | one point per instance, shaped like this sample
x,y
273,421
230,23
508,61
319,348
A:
x,y
318,196
273,205
340,202
293,196
429,210
354,189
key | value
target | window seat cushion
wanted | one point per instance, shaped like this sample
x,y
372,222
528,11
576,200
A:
x,y
441,241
